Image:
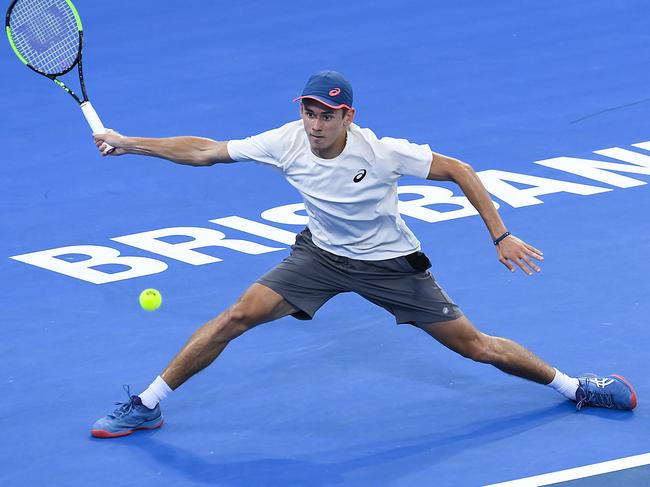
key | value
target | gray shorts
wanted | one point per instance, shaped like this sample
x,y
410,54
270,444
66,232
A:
x,y
310,276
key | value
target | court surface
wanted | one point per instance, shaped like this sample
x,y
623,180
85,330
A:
x,y
350,398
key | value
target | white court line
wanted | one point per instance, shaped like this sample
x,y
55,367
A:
x,y
578,473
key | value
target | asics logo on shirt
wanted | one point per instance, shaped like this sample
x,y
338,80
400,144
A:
x,y
360,175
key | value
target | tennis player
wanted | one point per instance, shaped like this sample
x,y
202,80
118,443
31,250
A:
x,y
355,241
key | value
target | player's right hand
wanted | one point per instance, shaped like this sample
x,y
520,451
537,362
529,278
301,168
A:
x,y
112,138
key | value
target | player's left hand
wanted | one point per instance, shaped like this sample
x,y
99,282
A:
x,y
515,252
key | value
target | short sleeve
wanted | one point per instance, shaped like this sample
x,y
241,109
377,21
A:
x,y
407,158
266,147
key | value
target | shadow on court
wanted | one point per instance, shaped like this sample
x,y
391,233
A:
x,y
336,466
350,400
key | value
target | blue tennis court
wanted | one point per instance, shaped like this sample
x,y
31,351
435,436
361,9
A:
x,y
548,101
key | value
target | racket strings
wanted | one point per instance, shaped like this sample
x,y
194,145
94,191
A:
x,y
46,34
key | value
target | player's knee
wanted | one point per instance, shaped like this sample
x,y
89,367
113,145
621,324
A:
x,y
241,316
233,322
478,350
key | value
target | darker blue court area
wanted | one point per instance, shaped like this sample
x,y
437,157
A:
x,y
349,398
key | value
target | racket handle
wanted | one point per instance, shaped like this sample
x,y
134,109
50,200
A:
x,y
95,123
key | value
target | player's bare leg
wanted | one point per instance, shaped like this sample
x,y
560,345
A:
x,y
459,335
257,305
462,337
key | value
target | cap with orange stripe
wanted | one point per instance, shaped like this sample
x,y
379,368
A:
x,y
329,88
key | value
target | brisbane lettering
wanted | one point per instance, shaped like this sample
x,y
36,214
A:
x,y
432,204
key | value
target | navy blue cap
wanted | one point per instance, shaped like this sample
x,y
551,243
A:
x,y
330,88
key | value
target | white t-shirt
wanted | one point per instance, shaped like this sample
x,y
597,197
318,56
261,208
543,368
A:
x,y
351,200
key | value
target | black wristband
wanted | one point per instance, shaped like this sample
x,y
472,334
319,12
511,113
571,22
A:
x,y
498,240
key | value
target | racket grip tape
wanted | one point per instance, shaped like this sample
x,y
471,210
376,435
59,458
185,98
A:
x,y
95,123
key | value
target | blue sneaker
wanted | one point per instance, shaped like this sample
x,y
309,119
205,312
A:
x,y
128,417
612,392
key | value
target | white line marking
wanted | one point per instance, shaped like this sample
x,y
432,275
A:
x,y
578,473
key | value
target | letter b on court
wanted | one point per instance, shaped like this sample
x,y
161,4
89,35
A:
x,y
83,262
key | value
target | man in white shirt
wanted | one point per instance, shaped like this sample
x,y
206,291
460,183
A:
x,y
355,241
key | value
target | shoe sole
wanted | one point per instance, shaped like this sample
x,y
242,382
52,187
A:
x,y
108,434
633,397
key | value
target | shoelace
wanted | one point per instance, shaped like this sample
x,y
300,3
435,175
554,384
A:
x,y
594,398
124,407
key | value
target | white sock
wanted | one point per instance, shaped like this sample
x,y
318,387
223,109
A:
x,y
156,392
565,385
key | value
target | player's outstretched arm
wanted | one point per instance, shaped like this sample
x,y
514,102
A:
x,y
192,151
511,250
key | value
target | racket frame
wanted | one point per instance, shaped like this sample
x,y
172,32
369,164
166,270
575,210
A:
x,y
86,107
53,76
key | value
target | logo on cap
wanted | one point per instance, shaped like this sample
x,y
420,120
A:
x,y
335,91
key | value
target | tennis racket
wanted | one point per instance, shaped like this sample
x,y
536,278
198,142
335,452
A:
x,y
47,37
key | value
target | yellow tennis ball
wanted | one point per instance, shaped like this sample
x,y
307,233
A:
x,y
150,299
